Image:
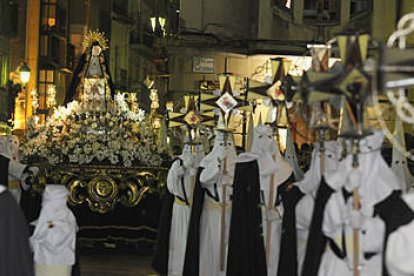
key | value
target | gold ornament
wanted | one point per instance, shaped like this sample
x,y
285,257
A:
x,y
96,36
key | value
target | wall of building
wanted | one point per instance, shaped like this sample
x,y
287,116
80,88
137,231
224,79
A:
x,y
230,19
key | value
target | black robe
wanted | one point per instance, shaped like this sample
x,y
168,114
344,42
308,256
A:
x,y
289,196
246,252
192,251
160,258
15,252
4,168
395,213
316,239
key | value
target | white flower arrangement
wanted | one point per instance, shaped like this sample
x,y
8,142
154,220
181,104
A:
x,y
73,134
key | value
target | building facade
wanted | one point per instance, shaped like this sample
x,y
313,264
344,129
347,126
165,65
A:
x,y
165,41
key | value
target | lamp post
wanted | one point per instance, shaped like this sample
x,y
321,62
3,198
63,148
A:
x,y
24,72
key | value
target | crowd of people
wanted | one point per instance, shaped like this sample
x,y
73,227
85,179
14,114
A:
x,y
256,213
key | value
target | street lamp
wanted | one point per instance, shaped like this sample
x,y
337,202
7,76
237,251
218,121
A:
x,y
153,20
158,25
162,21
24,74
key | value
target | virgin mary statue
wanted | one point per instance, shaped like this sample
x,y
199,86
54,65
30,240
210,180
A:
x,y
91,81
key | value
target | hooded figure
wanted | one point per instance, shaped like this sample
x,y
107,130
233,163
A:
x,y
271,167
19,174
254,171
15,253
309,186
180,184
375,182
204,238
54,238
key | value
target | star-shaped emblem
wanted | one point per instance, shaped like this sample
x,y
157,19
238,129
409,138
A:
x,y
192,119
226,102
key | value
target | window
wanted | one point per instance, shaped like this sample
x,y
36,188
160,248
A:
x,y
4,68
44,45
284,4
46,78
322,11
49,11
121,7
359,7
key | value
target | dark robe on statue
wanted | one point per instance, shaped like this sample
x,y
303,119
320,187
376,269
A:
x,y
192,252
317,240
80,72
246,252
160,258
289,196
395,212
15,253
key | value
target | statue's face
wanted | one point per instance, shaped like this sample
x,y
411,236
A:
x,y
96,50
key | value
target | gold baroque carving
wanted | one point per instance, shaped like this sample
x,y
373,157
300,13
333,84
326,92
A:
x,y
102,187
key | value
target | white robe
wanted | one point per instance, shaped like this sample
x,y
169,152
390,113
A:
x,y
304,211
210,222
400,247
337,216
374,181
54,238
309,186
181,212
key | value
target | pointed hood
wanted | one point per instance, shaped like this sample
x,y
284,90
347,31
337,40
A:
x,y
312,178
54,194
223,149
374,179
268,155
219,147
187,156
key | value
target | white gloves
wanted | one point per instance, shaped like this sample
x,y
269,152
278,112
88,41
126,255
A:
x,y
272,214
179,171
34,170
354,180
